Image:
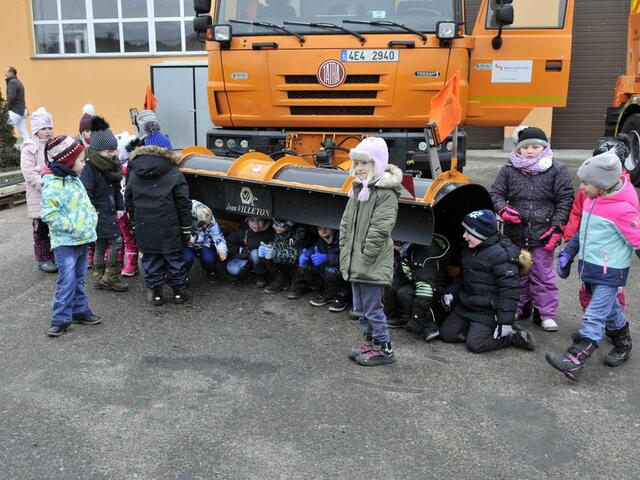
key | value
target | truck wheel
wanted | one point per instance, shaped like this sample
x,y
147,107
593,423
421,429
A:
x,y
631,127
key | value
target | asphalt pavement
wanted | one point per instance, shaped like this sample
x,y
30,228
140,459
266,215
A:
x,y
238,384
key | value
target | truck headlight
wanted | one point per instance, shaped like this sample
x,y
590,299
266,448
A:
x,y
219,143
222,33
244,144
231,143
446,30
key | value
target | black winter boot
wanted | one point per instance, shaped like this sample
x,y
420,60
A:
x,y
572,362
279,284
381,353
622,345
522,339
180,294
298,284
155,296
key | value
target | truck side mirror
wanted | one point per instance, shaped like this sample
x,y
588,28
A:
x,y
202,6
504,16
202,23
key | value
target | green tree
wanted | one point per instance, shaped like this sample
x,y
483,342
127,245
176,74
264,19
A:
x,y
9,155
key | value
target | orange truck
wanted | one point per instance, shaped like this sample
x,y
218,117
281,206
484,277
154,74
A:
x,y
293,84
623,116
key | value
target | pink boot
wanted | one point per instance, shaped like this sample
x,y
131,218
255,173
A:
x,y
130,264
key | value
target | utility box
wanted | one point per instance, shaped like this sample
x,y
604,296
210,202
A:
x,y
183,110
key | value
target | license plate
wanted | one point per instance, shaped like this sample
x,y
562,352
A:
x,y
370,55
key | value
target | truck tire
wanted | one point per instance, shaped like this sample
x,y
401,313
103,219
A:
x,y
631,127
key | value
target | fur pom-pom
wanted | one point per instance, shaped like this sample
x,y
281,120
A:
x,y
151,127
516,132
89,109
526,261
98,123
133,144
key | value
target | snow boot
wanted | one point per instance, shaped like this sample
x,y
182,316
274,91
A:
x,y
622,345
96,275
155,296
111,280
367,344
522,339
90,253
130,264
572,362
180,294
381,353
298,285
279,284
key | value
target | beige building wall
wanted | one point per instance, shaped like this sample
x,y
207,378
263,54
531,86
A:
x,y
64,85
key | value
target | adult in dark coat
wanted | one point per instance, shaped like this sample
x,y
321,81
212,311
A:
x,y
486,292
158,204
16,103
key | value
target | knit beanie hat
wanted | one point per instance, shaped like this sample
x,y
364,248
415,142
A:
x,y
524,135
278,222
201,215
620,145
373,150
159,140
63,149
603,170
481,224
101,137
40,119
148,123
88,112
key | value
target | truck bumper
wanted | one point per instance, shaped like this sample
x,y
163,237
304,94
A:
x,y
403,146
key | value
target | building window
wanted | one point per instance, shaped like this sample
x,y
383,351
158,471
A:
x,y
114,27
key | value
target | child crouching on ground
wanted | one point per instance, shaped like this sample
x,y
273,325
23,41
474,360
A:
x,y
243,245
281,255
319,269
366,248
487,290
423,271
72,221
609,234
207,241
158,204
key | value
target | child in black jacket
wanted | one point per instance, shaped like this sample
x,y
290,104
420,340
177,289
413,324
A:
x,y
243,245
158,204
486,291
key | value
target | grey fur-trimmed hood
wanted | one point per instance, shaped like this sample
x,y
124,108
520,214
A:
x,y
391,179
157,151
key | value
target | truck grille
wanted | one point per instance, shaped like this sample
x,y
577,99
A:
x,y
330,110
332,94
313,80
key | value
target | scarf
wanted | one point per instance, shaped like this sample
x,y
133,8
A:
x,y
60,170
365,191
110,167
535,165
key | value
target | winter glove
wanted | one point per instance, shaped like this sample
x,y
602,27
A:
x,y
447,301
502,330
423,290
318,258
406,269
265,251
564,264
510,214
553,236
187,235
304,258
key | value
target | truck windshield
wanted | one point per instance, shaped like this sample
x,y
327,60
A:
x,y
420,15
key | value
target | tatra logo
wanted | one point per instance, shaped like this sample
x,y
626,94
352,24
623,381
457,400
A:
x,y
331,74
476,214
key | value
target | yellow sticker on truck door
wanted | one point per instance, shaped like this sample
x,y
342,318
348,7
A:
x,y
511,71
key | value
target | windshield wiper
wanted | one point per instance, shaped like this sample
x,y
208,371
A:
x,y
329,26
387,23
272,26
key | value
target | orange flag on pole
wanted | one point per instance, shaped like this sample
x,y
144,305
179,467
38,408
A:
x,y
150,102
446,110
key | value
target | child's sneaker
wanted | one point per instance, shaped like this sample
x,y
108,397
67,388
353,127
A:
x,y
155,296
180,294
549,325
353,315
279,284
380,354
338,305
296,292
87,318
320,300
364,348
56,330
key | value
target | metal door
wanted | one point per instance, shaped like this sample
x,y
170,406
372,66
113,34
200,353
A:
x,y
203,119
174,88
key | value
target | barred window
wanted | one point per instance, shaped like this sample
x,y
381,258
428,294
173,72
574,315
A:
x,y
114,27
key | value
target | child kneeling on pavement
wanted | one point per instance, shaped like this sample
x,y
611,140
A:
x,y
157,201
281,255
609,235
319,270
422,277
72,220
487,291
243,244
207,242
